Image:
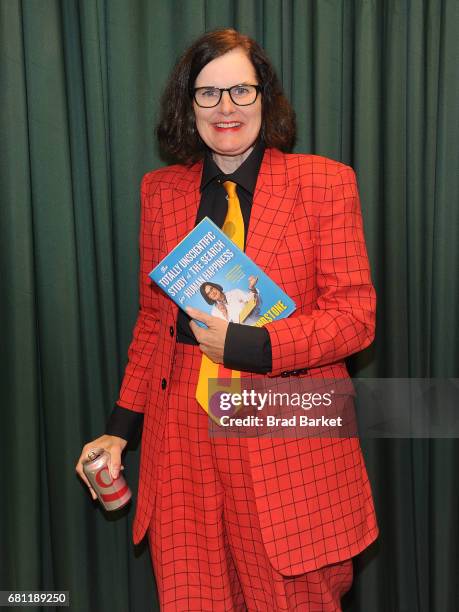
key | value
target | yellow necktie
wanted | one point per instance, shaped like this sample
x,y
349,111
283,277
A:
x,y
233,227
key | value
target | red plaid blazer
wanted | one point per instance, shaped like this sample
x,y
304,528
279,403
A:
x,y
313,495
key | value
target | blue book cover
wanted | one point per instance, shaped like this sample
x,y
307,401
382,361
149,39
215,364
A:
x,y
206,270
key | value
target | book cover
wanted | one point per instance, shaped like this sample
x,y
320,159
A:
x,y
206,270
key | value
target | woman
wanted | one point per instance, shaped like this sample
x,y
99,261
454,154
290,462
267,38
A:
x,y
230,305
258,523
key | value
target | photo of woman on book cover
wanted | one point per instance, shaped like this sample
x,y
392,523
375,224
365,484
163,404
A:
x,y
234,305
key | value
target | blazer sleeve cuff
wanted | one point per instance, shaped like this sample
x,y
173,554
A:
x,y
123,422
247,349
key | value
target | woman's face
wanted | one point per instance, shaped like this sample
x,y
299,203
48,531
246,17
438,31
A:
x,y
213,293
228,129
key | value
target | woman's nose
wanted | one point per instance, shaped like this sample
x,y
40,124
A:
x,y
226,104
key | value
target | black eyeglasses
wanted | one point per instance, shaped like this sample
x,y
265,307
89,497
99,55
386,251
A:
x,y
241,95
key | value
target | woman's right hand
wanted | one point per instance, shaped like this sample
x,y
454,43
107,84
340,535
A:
x,y
114,446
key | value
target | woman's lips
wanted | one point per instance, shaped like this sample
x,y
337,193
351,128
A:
x,y
232,126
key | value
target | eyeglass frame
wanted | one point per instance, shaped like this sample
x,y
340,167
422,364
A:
x,y
258,89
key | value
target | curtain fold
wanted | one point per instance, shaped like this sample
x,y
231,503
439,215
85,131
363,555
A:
x,y
374,84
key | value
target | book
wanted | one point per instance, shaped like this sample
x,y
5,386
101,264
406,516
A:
x,y
206,270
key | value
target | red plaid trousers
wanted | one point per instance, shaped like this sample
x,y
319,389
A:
x,y
205,539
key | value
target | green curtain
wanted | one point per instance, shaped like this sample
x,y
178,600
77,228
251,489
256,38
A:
x,y
374,84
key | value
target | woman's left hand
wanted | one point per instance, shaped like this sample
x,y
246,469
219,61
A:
x,y
211,340
252,281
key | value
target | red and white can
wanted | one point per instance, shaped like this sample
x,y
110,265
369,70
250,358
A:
x,y
112,494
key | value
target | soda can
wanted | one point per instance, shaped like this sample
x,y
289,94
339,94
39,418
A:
x,y
112,494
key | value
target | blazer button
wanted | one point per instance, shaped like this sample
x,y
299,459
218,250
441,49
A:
x,y
171,330
163,383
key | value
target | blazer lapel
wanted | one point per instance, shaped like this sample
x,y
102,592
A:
x,y
180,205
272,208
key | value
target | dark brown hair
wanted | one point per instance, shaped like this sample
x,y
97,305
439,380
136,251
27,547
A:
x,y
202,289
178,137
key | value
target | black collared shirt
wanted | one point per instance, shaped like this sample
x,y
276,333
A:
x,y
246,348
213,194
